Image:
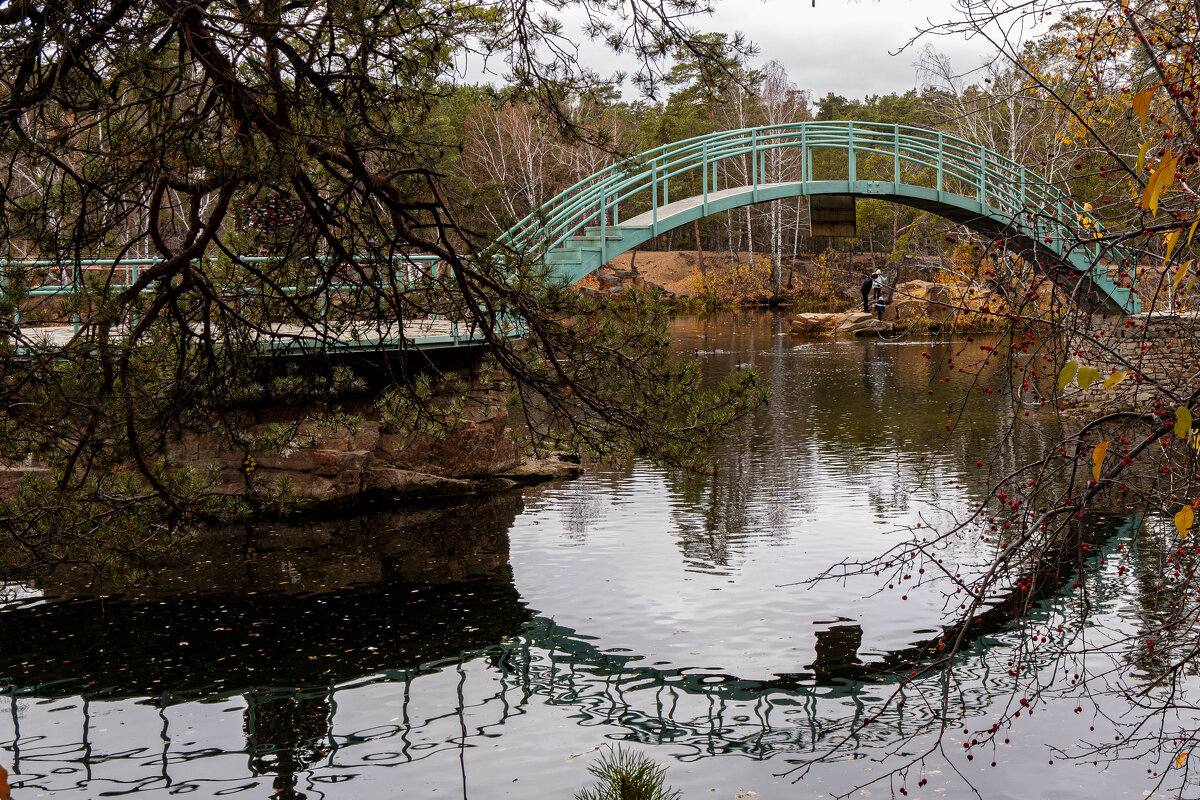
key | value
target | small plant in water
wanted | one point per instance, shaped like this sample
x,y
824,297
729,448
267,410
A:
x,y
627,775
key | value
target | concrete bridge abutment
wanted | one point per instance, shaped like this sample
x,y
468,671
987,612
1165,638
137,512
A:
x,y
1159,351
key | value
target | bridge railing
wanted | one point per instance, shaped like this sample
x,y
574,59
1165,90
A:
x,y
872,151
45,280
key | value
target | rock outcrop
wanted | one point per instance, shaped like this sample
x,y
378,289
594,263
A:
x,y
860,323
326,466
924,301
613,281
816,324
850,323
333,466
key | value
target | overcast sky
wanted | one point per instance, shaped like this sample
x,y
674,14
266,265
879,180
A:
x,y
845,46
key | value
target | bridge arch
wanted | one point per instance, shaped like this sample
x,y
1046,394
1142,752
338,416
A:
x,y
626,204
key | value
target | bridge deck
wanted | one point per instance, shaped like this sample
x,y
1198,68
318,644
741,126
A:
x,y
647,218
348,335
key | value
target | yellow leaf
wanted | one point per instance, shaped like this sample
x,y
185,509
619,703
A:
x,y
1179,273
1192,233
1183,423
1161,178
1183,520
1114,379
1142,156
1172,239
1086,377
1067,373
1098,459
1180,760
1141,102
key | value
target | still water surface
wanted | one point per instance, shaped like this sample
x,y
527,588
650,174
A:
x,y
486,649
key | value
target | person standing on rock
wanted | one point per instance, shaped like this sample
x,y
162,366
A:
x,y
877,283
865,290
880,305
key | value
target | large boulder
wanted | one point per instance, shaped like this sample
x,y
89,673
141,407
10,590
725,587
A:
x,y
815,324
923,300
860,323
850,323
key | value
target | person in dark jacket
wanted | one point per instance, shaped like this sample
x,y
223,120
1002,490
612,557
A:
x,y
880,305
865,290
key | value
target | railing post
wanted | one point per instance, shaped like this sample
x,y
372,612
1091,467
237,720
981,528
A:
x,y
603,227
754,164
762,158
896,156
941,164
805,171
704,171
1056,226
667,182
654,195
982,175
851,164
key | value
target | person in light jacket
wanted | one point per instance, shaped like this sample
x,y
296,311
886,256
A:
x,y
877,283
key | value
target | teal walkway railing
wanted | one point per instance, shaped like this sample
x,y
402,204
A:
x,y
626,204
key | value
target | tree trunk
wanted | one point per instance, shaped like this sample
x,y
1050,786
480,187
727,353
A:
x,y
795,247
699,248
749,238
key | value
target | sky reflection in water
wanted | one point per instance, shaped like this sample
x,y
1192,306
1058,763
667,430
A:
x,y
486,649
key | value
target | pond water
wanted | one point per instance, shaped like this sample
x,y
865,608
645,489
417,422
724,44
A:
x,y
488,648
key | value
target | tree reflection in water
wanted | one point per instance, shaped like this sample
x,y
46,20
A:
x,y
400,639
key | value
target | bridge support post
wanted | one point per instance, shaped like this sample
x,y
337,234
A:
x,y
832,215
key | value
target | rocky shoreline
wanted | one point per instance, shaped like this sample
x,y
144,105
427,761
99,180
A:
x,y
913,305
325,468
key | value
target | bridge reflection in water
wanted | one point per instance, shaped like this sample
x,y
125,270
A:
x,y
412,616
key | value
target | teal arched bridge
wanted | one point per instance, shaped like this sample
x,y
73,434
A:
x,y
592,222
629,203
